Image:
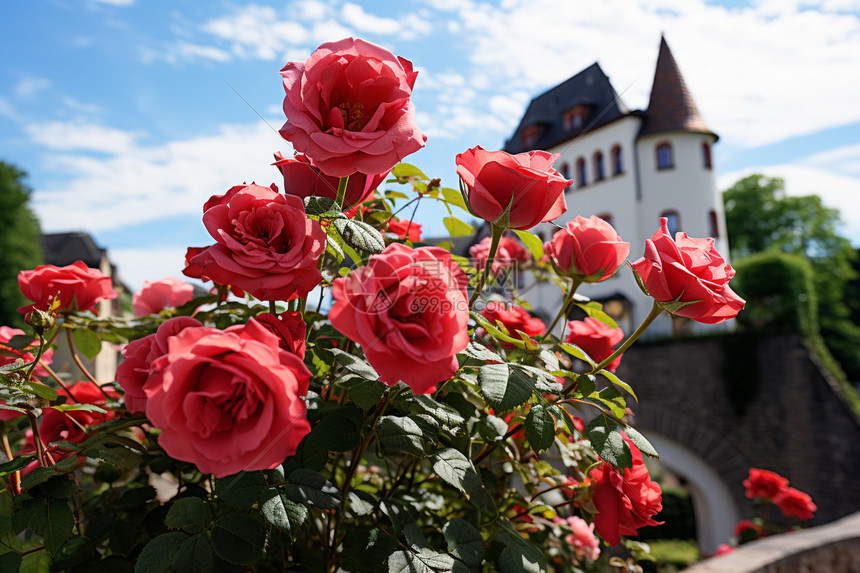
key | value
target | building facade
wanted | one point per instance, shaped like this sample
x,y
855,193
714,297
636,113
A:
x,y
629,167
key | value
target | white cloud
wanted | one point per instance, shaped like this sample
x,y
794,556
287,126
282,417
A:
x,y
140,183
189,51
78,136
29,86
6,110
355,15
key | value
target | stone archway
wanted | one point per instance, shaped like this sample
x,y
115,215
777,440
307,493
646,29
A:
x,y
715,510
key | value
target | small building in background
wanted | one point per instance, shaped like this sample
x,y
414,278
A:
x,y
630,168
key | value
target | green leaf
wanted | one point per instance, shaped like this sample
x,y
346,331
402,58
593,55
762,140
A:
x,y
464,541
243,490
481,352
321,206
533,242
283,513
362,502
504,388
11,561
87,342
595,310
359,235
80,408
355,364
540,428
441,412
37,562
239,538
123,537
367,549
453,197
577,352
404,562
157,556
640,442
494,330
406,171
456,469
190,514
338,431
458,228
53,521
15,464
617,381
40,390
309,488
607,442
194,555
520,556
365,393
586,383
400,434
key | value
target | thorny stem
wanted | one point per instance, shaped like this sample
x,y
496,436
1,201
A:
x,y
37,439
494,244
341,191
57,379
16,477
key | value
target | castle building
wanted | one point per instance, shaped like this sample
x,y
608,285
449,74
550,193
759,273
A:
x,y
629,167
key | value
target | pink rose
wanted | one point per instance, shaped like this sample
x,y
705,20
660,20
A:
x,y
597,339
625,499
589,249
509,254
265,244
348,108
289,327
723,548
407,309
764,484
77,286
135,371
158,295
794,503
527,182
405,229
688,270
514,317
229,401
585,544
304,180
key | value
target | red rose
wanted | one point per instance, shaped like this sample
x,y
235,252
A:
x,y
407,309
509,254
158,295
77,286
596,338
527,182
405,229
764,484
265,244
589,249
289,327
348,108
229,401
514,317
625,499
304,180
747,525
794,503
688,270
135,370
723,548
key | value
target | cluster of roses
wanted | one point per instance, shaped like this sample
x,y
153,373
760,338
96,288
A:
x,y
233,400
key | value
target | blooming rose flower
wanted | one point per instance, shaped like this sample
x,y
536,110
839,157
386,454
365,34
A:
x,y
158,295
405,229
304,180
597,339
407,309
509,253
265,244
348,108
527,182
587,248
514,317
229,401
688,270
747,525
625,499
77,286
135,371
289,327
584,542
764,484
794,503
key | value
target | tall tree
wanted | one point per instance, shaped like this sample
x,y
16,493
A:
x,y
760,216
19,241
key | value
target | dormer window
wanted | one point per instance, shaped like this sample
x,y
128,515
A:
x,y
574,118
530,135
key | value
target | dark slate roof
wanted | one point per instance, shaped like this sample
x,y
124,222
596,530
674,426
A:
x,y
671,107
589,87
63,249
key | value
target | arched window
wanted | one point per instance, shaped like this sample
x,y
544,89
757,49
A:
x,y
581,180
565,170
599,172
617,160
715,226
664,156
706,155
673,221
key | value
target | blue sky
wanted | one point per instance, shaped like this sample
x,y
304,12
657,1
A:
x,y
123,115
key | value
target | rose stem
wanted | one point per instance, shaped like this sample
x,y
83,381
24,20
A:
x,y
494,244
80,364
565,307
58,380
656,309
341,191
16,477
